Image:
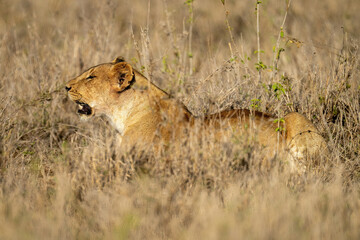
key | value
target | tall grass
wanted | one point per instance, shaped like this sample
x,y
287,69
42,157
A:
x,y
61,178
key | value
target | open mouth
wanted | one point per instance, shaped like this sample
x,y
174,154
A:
x,y
84,108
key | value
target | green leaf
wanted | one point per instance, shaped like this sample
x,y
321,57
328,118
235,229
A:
x,y
223,2
260,65
189,2
233,59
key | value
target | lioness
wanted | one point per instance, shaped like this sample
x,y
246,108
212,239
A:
x,y
143,113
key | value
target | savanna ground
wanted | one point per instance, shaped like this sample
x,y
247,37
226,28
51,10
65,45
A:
x,y
61,179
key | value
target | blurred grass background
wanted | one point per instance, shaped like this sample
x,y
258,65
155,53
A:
x,y
61,179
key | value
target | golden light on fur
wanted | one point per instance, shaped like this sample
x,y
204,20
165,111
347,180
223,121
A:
x,y
144,114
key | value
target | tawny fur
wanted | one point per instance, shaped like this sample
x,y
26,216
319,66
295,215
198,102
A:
x,y
144,114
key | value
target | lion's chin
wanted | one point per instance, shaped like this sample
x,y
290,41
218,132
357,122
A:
x,y
84,117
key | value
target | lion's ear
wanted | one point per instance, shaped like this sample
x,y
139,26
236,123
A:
x,y
118,59
124,74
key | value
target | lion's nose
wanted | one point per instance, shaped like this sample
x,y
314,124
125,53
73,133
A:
x,y
67,88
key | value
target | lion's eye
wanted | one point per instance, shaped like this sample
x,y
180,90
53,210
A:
x,y
91,77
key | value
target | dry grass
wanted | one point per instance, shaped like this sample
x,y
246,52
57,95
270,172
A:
x,y
61,179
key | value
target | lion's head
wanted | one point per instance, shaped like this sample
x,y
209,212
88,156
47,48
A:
x,y
96,87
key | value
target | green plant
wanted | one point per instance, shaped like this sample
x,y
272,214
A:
x,y
255,104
